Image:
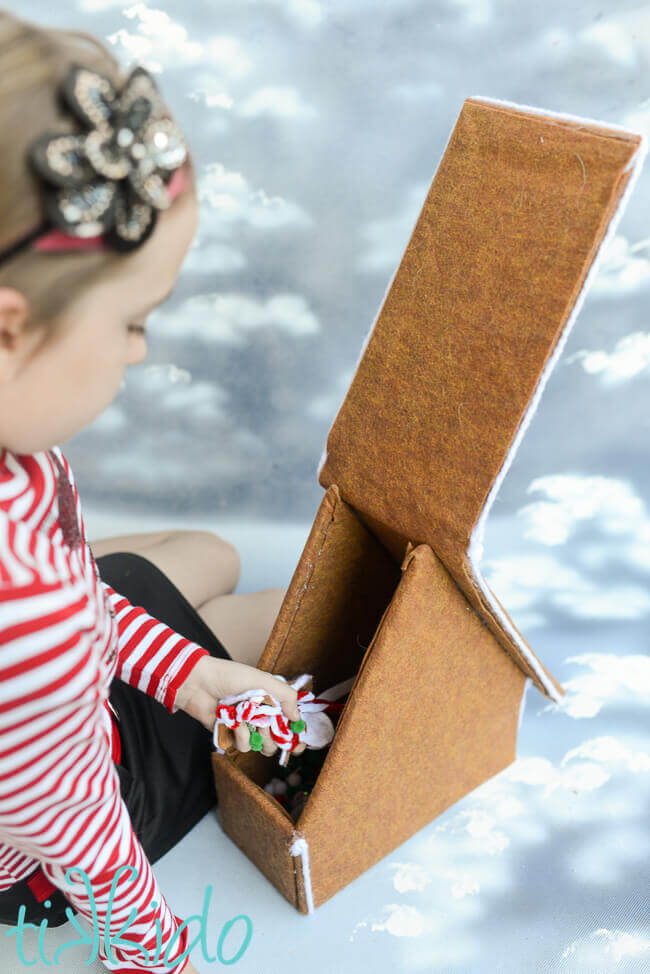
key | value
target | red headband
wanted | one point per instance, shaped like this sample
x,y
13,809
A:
x,y
58,240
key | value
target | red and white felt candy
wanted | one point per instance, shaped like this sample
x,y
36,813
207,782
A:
x,y
261,709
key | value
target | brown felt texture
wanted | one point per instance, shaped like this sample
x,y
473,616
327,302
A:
x,y
427,643
508,230
254,820
384,590
339,590
385,778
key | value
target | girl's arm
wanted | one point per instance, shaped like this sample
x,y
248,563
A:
x,y
60,798
151,656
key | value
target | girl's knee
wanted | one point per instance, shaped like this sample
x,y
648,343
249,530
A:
x,y
275,596
224,553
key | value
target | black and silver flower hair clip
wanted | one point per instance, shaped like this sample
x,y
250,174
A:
x,y
111,180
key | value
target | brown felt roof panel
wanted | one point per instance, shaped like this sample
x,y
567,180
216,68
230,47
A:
x,y
470,327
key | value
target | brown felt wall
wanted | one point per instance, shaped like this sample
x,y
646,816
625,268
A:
x,y
256,823
341,586
428,645
505,237
385,777
384,590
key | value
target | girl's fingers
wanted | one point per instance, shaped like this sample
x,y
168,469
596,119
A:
x,y
286,696
269,746
242,737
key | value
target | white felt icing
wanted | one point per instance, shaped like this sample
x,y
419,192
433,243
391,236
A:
x,y
476,540
522,705
475,552
300,848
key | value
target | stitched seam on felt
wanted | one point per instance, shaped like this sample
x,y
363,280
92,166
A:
x,y
304,586
362,666
382,622
301,854
514,655
298,874
517,658
343,716
564,123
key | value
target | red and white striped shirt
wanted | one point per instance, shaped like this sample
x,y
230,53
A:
x,y
60,647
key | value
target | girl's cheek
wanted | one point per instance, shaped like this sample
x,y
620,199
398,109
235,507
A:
x,y
137,349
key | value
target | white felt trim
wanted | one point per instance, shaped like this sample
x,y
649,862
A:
x,y
522,705
532,110
300,848
475,551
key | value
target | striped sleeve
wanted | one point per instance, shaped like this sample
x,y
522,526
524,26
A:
x,y
151,656
60,799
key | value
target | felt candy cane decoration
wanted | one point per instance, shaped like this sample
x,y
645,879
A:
x,y
261,709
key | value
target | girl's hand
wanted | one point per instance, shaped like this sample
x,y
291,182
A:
x,y
212,679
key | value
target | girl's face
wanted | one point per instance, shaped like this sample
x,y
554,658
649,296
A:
x,y
61,379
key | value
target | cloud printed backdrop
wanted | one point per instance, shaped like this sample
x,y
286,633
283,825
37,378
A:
x,y
317,126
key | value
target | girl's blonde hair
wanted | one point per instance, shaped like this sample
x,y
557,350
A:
x,y
33,62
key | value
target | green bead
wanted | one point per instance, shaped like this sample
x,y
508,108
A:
x,y
297,726
256,741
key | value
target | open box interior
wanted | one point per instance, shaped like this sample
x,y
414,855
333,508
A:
x,y
342,586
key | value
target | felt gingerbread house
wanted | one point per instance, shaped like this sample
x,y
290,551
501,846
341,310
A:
x,y
388,591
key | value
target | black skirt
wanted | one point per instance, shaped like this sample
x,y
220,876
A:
x,y
165,769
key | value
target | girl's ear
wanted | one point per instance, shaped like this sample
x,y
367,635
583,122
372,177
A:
x,y
14,314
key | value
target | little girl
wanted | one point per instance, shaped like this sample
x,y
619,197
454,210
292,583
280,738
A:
x,y
98,208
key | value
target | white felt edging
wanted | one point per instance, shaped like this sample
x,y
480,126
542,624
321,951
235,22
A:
x,y
475,552
300,848
527,683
